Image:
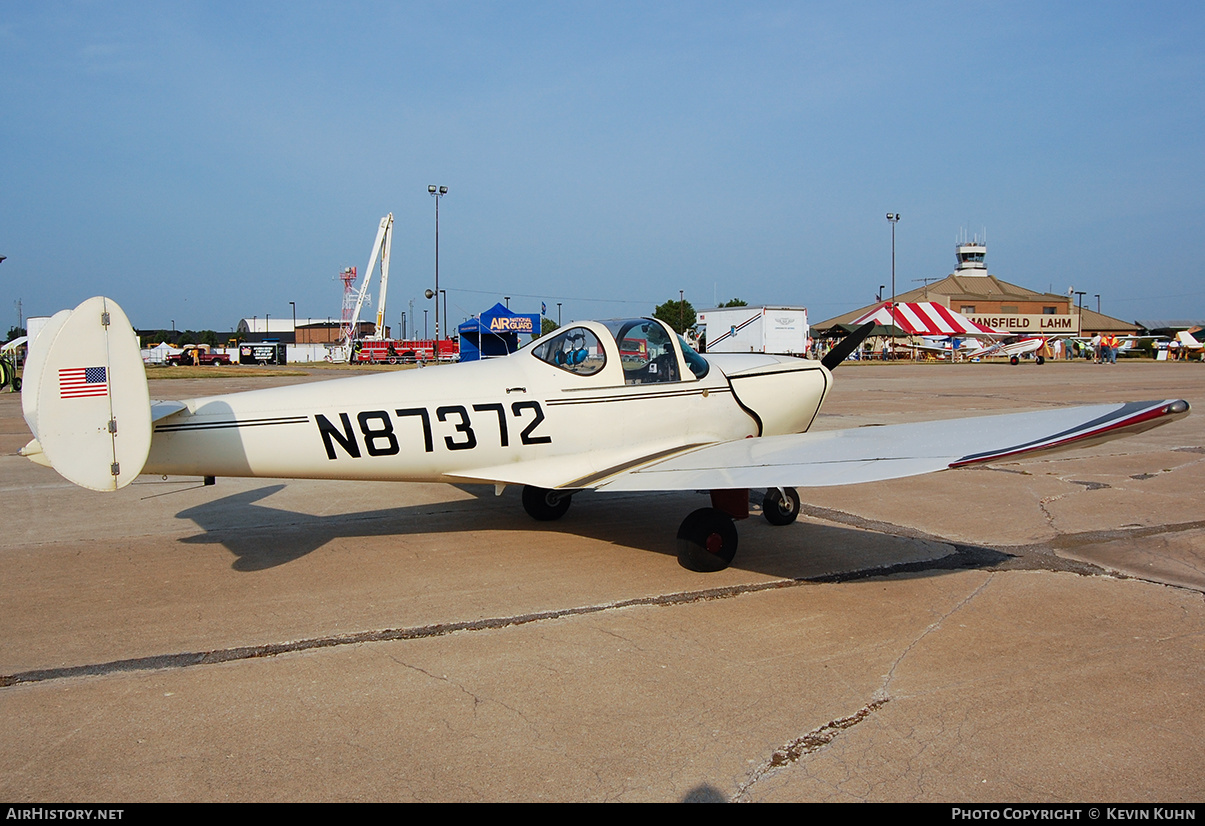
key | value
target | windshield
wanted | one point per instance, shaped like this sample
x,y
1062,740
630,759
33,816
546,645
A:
x,y
697,364
646,351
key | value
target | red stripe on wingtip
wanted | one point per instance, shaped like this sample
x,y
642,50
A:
x,y
1139,418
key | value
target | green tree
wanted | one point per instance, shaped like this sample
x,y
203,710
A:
x,y
209,337
677,314
15,332
547,325
736,302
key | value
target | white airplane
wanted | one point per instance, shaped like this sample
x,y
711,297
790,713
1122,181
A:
x,y
1186,343
610,406
1014,347
942,346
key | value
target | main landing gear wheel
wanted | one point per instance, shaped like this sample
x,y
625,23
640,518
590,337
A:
x,y
1040,359
780,511
1013,360
706,541
545,505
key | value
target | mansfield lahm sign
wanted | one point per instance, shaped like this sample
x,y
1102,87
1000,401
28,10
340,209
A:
x,y
1028,323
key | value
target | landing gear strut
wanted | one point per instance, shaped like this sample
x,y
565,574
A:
x,y
707,538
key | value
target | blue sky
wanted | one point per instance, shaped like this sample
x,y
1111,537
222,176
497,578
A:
x,y
202,162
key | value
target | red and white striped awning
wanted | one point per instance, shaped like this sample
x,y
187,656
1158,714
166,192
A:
x,y
925,318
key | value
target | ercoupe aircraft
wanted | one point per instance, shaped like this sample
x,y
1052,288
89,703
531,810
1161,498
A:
x,y
618,405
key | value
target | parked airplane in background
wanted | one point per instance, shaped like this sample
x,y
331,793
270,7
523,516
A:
x,y
1014,348
616,405
1187,344
1017,347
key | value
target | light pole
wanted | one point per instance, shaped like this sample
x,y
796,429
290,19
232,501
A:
x,y
447,331
558,314
293,304
893,218
1080,315
1098,302
437,192
506,298
424,322
879,297
682,309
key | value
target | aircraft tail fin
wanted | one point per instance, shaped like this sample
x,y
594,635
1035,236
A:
x,y
86,398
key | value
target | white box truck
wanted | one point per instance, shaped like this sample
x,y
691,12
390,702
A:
x,y
777,330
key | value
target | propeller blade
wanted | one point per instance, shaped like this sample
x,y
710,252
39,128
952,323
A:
x,y
846,346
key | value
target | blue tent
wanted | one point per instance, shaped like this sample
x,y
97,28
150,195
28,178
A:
x,y
495,333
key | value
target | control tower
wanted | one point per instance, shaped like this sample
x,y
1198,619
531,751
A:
x,y
971,255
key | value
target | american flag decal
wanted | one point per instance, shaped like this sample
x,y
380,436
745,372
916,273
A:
x,y
79,382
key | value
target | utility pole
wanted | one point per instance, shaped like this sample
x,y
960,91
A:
x,y
893,218
437,192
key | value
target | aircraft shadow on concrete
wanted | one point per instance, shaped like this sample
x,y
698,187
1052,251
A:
x,y
261,537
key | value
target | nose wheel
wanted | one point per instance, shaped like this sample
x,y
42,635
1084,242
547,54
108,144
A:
x,y
781,506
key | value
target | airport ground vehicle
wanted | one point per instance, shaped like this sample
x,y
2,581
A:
x,y
198,355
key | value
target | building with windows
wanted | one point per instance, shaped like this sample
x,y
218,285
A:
x,y
307,331
973,292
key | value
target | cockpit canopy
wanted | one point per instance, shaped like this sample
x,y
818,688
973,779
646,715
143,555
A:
x,y
647,352
576,349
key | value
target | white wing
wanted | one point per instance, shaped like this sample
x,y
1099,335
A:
x,y
867,454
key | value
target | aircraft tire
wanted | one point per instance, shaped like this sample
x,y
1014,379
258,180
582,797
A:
x,y
706,541
1013,360
779,511
1040,359
545,505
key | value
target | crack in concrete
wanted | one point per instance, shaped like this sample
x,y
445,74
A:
x,y
933,626
225,655
818,738
964,556
809,743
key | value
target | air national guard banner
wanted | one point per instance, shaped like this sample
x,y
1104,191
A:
x,y
495,333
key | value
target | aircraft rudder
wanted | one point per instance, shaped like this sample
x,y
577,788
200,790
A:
x,y
91,405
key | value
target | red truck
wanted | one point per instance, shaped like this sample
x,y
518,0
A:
x,y
390,351
193,354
